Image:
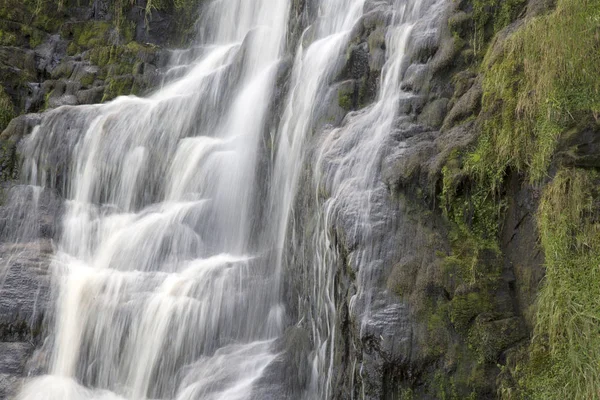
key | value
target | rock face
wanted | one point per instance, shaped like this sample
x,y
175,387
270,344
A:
x,y
435,294
56,53
28,221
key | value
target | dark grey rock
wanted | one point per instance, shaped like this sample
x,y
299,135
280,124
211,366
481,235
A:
x,y
13,357
287,376
49,54
19,127
433,113
467,105
24,293
8,385
90,96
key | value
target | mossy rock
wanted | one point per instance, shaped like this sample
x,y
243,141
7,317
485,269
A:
x,y
491,337
118,86
466,306
7,109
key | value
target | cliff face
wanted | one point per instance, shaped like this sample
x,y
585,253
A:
x,y
481,234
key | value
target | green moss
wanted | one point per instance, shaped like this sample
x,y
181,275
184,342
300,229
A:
x,y
47,22
566,346
100,55
490,16
474,212
345,101
91,34
117,86
7,38
72,49
7,109
464,308
87,80
545,81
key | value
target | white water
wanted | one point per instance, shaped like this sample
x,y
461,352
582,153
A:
x,y
168,269
347,169
161,291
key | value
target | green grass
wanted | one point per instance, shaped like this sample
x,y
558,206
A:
x,y
540,84
565,360
545,81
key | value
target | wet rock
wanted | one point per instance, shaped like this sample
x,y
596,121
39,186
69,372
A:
x,y
433,113
156,27
50,53
387,337
416,77
339,99
519,239
8,385
288,375
90,96
28,214
19,127
13,357
65,100
376,43
24,293
467,105
581,148
357,63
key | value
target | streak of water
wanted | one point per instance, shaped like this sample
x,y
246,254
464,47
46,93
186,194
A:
x,y
347,184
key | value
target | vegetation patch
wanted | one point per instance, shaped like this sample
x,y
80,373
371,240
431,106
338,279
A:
x,y
563,356
545,80
7,110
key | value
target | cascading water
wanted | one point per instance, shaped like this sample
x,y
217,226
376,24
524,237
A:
x,y
161,290
346,180
168,270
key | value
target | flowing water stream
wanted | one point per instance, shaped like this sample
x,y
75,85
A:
x,y
167,276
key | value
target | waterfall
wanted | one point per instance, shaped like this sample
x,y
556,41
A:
x,y
162,291
180,213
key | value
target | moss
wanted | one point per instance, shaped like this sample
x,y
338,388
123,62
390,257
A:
x,y
117,86
463,385
345,101
544,83
87,80
91,34
72,49
489,337
490,16
474,212
438,336
566,347
464,308
7,38
46,22
7,109
100,55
